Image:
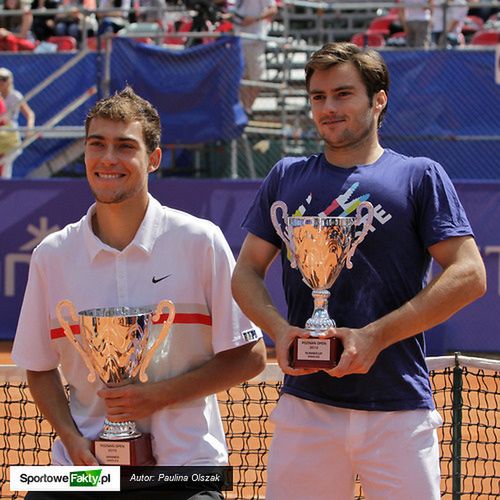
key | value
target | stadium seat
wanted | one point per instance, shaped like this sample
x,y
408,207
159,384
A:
x,y
472,24
92,43
368,39
478,21
184,25
64,43
381,25
11,43
486,37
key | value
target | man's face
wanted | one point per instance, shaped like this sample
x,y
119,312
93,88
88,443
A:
x,y
342,112
117,162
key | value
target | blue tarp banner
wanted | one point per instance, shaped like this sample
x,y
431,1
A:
x,y
30,70
442,104
195,90
29,210
443,93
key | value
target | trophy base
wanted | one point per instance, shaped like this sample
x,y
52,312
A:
x,y
315,352
135,451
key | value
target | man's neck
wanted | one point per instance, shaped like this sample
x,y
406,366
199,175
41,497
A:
x,y
347,157
117,224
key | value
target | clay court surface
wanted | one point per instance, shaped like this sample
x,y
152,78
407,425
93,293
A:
x,y
249,434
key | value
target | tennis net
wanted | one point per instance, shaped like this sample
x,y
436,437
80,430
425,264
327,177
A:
x,y
466,391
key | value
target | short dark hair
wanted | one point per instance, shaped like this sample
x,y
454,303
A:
x,y
127,106
369,63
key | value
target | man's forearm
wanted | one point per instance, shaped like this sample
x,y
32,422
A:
x,y
49,395
251,294
225,370
446,294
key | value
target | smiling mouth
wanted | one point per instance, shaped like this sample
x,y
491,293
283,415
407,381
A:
x,y
102,175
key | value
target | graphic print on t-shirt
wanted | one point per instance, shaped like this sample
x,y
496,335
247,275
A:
x,y
343,206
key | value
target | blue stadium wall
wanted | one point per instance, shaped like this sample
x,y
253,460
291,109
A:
x,y
31,209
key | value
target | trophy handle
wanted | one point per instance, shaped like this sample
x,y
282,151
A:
x,y
366,227
277,226
143,377
67,330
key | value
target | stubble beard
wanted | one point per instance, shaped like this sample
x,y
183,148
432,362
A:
x,y
350,140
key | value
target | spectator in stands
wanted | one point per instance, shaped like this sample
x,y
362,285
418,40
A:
x,y
113,20
253,17
14,101
416,22
72,21
373,414
15,29
44,24
8,138
453,17
154,13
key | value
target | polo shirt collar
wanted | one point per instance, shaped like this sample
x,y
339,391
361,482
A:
x,y
144,239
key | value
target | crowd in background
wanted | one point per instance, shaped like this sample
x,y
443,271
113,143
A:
x,y
424,23
444,23
33,24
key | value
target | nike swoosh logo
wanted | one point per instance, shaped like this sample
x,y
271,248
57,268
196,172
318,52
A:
x,y
157,280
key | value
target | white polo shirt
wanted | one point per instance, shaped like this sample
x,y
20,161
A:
x,y
196,263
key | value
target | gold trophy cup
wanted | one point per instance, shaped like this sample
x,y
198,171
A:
x,y
114,344
320,247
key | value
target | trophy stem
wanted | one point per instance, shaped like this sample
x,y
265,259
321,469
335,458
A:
x,y
320,321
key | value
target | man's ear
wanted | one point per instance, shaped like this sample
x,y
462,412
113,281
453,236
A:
x,y
154,160
380,100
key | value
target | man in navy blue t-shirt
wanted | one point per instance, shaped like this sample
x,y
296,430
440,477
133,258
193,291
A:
x,y
373,414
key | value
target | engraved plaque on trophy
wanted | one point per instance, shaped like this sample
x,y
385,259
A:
x,y
114,344
319,247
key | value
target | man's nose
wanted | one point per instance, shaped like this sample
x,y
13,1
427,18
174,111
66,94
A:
x,y
109,156
331,105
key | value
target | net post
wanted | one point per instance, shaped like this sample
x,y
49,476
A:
x,y
457,407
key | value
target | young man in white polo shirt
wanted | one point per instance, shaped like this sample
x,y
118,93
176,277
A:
x,y
128,250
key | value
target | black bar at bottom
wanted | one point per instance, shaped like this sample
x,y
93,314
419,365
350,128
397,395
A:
x,y
218,478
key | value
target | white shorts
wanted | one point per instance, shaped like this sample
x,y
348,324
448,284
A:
x,y
318,449
254,55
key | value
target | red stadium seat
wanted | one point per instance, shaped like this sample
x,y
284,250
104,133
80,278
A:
x,y
12,43
92,43
368,39
381,25
472,24
64,43
486,37
182,26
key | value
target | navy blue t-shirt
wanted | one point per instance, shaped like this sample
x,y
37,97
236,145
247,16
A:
x,y
415,206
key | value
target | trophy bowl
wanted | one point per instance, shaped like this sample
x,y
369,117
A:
x,y
320,247
114,345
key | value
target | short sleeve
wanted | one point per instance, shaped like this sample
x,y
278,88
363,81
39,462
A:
x,y
441,214
258,218
32,348
230,328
